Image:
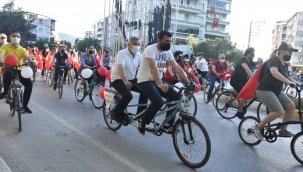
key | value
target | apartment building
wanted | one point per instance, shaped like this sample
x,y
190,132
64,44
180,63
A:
x,y
43,27
278,34
99,31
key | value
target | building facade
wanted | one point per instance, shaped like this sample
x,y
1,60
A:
x,y
43,27
99,31
278,34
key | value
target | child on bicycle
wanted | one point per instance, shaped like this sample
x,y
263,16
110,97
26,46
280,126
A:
x,y
270,93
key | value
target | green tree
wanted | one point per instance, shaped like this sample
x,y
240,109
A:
x,y
192,42
82,44
40,43
76,41
13,20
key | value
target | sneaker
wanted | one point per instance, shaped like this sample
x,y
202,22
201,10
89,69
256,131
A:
x,y
168,128
258,132
2,95
116,116
240,115
285,133
207,101
26,110
55,86
141,127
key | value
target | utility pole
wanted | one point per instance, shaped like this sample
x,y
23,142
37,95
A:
x,y
250,29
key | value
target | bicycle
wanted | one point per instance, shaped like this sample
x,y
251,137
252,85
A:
x,y
50,76
185,129
270,135
34,68
70,74
15,95
92,89
60,79
1,78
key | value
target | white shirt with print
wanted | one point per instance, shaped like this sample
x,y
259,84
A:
x,y
161,58
129,63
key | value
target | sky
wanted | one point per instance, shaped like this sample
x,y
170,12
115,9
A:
x,y
77,16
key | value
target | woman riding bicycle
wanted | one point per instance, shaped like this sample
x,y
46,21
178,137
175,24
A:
x,y
269,90
170,75
88,60
61,60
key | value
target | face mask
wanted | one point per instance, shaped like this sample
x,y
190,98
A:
x,y
135,48
165,46
286,57
222,60
179,60
91,52
16,40
2,41
62,51
186,60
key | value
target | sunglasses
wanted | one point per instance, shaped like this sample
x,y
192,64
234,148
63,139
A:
x,y
222,58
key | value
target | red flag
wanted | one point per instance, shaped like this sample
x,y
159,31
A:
x,y
250,87
212,9
215,22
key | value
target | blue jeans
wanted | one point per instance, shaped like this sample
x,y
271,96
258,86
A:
x,y
213,80
150,89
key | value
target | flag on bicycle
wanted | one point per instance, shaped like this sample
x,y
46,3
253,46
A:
x,y
250,87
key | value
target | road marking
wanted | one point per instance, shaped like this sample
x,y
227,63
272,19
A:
x,y
104,148
3,166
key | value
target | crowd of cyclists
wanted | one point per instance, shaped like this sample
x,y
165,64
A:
x,y
152,72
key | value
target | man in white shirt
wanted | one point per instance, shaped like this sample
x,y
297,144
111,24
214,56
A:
x,y
202,68
149,76
123,78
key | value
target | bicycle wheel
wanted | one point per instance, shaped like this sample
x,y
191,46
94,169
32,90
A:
x,y
18,107
1,83
245,131
51,78
227,105
45,75
72,75
60,85
262,111
205,94
68,77
11,100
79,92
291,92
215,96
189,101
96,99
111,124
296,147
191,142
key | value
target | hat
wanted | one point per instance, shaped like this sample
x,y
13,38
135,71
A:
x,y
285,46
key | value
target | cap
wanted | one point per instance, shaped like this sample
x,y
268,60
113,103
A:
x,y
285,46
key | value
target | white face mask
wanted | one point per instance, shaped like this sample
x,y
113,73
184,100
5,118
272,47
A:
x,y
2,41
186,60
16,40
222,60
135,48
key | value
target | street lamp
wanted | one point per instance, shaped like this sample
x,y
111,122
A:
x,y
255,22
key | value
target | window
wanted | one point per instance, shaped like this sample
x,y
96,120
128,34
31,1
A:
x,y
283,36
284,28
40,29
40,21
47,31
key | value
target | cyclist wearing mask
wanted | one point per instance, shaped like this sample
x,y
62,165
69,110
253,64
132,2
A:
x,y
202,68
21,53
106,60
170,75
87,60
241,75
3,39
151,68
124,80
218,67
61,60
270,93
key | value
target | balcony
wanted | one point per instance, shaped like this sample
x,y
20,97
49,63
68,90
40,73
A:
x,y
188,21
222,21
299,43
290,25
300,21
188,9
219,10
216,32
183,36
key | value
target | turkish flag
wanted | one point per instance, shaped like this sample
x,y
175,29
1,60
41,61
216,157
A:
x,y
212,9
215,22
250,87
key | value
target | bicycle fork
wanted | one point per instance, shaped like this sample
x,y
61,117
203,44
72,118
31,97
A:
x,y
184,120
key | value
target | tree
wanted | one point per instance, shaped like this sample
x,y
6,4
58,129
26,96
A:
x,y
76,41
40,43
12,20
82,44
192,42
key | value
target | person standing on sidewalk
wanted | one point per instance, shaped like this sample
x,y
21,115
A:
x,y
241,75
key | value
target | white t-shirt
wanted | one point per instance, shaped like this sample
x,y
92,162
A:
x,y
201,64
129,63
161,59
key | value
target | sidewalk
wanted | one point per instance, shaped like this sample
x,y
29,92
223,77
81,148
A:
x,y
3,166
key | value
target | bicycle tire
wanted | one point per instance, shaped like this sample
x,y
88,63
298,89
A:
x,y
291,92
215,96
243,131
190,96
11,100
18,107
259,110
180,129
51,78
45,75
68,77
111,124
77,91
96,99
60,85
298,137
205,94
1,83
227,106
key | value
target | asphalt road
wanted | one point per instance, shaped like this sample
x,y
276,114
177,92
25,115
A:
x,y
67,135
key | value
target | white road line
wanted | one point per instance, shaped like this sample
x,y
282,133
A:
x,y
3,166
104,148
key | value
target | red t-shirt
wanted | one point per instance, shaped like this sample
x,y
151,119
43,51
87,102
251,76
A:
x,y
167,74
219,68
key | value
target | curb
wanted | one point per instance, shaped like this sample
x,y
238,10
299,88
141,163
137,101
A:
x,y
3,166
